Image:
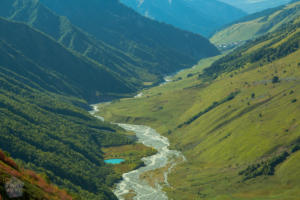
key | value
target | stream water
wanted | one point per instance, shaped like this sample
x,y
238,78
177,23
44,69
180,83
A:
x,y
165,158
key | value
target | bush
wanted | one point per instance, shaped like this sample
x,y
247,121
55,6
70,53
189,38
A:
x,y
275,79
294,101
295,148
266,168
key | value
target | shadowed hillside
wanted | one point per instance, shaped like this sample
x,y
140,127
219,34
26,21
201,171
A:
x,y
73,74
42,120
60,28
166,48
114,43
198,16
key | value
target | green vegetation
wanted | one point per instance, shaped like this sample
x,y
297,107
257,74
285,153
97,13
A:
x,y
36,186
50,70
132,154
156,43
256,25
264,168
230,97
44,122
245,148
252,53
133,58
46,65
64,142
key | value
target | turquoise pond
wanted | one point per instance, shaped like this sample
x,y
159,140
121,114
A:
x,y
114,161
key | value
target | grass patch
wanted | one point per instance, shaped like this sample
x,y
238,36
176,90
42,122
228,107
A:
x,y
132,154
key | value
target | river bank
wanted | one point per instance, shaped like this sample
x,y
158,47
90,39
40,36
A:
x,y
133,184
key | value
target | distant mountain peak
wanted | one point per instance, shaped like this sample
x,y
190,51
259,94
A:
x,y
252,6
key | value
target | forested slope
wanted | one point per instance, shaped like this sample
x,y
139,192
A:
x,y
62,30
43,123
110,37
162,48
73,73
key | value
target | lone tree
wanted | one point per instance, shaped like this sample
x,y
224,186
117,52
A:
x,y
275,79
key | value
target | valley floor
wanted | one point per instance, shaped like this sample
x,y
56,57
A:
x,y
240,132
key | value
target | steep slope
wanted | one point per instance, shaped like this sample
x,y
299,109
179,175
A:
x,y
32,185
74,74
42,120
239,130
165,48
256,24
251,6
198,16
38,16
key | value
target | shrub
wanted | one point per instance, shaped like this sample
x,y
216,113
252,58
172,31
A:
x,y
294,101
295,148
189,75
266,168
8,160
275,79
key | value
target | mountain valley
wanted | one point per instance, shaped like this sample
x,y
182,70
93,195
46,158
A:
x,y
228,117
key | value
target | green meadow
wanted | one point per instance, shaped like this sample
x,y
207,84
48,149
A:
x,y
240,131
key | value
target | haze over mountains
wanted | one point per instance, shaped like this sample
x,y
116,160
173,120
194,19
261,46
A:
x,y
252,6
257,24
198,16
122,28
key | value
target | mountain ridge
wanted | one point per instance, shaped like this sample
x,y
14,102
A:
x,y
256,6
125,29
195,16
256,24
53,55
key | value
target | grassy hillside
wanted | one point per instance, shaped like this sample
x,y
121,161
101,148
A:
x,y
256,25
33,186
237,121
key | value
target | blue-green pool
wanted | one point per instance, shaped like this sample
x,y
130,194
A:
x,y
114,161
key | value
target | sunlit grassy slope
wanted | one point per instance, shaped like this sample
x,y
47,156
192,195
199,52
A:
x,y
257,24
240,131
